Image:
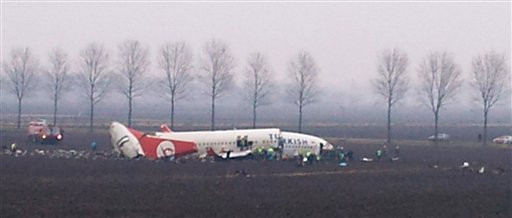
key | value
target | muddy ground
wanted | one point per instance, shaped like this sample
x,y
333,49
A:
x,y
38,186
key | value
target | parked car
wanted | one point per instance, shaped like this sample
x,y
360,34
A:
x,y
440,137
506,139
41,132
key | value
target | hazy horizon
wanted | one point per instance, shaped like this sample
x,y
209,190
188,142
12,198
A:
x,y
344,39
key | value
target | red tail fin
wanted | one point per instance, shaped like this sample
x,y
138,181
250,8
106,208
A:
x,y
155,147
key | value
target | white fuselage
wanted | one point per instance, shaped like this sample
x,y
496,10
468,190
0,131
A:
x,y
228,140
297,143
238,142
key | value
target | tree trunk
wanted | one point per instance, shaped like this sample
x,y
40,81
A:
x,y
172,112
436,119
212,126
129,111
253,115
436,143
484,141
55,110
300,118
389,122
91,116
19,112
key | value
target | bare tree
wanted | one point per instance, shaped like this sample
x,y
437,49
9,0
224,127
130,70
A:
x,y
258,82
58,77
490,73
392,81
21,71
175,60
217,66
440,79
133,62
94,76
303,88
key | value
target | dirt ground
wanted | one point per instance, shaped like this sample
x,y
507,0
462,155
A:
x,y
39,186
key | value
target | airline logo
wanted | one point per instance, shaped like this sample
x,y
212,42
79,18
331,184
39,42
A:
x,y
165,149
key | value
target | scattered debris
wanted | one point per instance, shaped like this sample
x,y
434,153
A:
x,y
499,171
464,165
365,159
481,170
435,166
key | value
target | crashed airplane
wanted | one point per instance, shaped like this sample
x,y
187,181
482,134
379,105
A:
x,y
223,143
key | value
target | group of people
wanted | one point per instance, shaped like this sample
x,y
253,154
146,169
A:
x,y
380,154
342,156
307,158
266,154
383,152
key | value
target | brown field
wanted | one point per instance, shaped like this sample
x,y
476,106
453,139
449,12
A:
x,y
39,186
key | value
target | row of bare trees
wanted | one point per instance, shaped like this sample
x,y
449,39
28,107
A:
x,y
94,75
440,78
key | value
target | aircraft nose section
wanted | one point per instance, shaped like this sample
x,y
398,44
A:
x,y
328,147
124,141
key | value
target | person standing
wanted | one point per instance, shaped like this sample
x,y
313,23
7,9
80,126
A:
x,y
342,159
93,146
270,153
378,154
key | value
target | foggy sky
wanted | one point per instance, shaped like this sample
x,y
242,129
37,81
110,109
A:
x,y
345,40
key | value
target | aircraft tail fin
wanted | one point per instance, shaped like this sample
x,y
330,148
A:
x,y
165,128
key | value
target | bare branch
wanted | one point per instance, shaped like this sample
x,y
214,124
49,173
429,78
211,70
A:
x,y
392,81
303,88
175,61
131,69
21,71
258,82
440,78
94,77
57,75
132,66
217,70
217,67
490,74
303,71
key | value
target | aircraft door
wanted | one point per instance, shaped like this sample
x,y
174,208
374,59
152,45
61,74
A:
x,y
243,143
280,143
